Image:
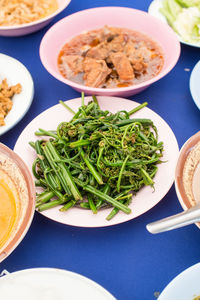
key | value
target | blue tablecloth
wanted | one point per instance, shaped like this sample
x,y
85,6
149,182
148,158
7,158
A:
x,y
125,259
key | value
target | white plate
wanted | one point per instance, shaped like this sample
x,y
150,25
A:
x,y
50,284
16,72
144,200
154,11
186,286
194,84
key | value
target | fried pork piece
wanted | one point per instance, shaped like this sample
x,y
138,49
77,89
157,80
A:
x,y
122,66
130,49
117,43
108,32
96,72
6,94
74,62
135,57
101,51
114,43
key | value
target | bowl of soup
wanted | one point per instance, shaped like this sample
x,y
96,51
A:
x,y
17,200
187,175
21,17
109,51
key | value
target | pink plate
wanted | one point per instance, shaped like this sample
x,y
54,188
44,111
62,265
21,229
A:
x,y
94,18
145,199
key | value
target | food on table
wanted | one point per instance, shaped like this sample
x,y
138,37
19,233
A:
x,y
13,195
184,17
191,166
96,160
17,12
110,57
6,94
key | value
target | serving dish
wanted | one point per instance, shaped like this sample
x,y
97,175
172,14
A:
x,y
190,154
96,18
153,10
144,200
31,27
16,72
187,177
26,205
50,284
185,286
194,84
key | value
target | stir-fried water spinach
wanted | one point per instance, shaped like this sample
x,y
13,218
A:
x,y
96,160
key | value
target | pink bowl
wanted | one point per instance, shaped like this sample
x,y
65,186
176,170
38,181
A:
x,y
28,28
94,18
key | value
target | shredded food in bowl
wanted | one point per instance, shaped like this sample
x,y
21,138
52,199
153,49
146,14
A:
x,y
17,12
6,94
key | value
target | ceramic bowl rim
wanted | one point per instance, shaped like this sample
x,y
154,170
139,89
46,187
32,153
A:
x,y
183,154
28,216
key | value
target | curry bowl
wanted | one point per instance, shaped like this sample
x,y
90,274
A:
x,y
27,28
17,200
187,173
120,17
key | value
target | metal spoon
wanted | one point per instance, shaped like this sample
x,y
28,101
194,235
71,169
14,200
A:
x,y
185,218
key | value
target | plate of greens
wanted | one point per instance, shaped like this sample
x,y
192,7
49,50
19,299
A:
x,y
98,162
182,15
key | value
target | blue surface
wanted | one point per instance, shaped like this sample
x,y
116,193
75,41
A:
x,y
125,259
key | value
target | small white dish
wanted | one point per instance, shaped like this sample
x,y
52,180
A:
x,y
185,286
50,284
16,72
154,10
144,200
194,84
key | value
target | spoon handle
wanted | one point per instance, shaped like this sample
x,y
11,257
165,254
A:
x,y
187,217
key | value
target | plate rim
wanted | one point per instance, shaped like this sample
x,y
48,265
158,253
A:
x,y
45,213
178,277
151,9
6,128
193,75
66,273
30,211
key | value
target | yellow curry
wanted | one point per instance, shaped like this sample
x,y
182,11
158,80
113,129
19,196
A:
x,y
8,207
